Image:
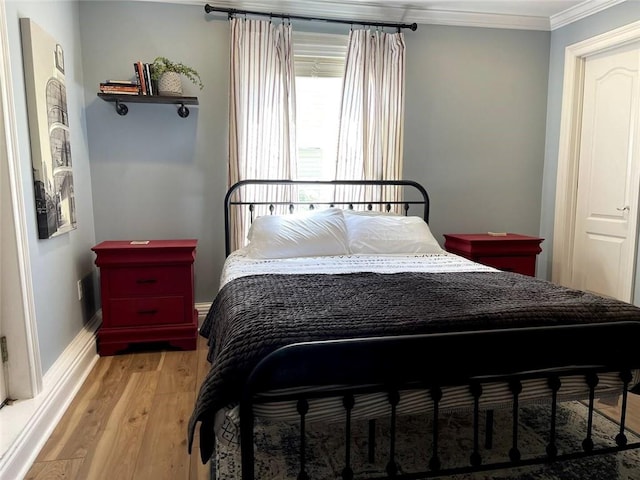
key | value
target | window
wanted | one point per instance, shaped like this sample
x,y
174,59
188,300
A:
x,y
319,67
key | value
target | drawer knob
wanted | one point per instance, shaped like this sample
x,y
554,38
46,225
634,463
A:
x,y
146,280
148,312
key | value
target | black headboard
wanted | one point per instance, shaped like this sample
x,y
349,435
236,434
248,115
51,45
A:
x,y
412,194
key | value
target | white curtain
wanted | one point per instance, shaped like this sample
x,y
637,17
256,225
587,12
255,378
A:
x,y
370,142
261,113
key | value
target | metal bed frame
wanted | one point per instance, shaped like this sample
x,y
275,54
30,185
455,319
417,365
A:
x,y
230,200
393,364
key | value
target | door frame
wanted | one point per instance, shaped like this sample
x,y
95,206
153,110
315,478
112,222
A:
x,y
569,148
4,389
19,322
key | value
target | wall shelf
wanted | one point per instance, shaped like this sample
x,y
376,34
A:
x,y
120,101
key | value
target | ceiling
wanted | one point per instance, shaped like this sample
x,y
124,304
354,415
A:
x,y
518,14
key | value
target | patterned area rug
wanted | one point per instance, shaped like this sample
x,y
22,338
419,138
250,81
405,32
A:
x,y
277,453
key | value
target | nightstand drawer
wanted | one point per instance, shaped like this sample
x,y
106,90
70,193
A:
x,y
524,265
126,312
126,282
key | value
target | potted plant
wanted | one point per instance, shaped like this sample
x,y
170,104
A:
x,y
167,74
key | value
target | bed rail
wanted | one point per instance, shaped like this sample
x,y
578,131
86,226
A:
x,y
393,364
240,195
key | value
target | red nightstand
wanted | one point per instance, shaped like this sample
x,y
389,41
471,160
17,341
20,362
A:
x,y
511,252
147,293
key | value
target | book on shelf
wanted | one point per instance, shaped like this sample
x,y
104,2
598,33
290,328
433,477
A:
x,y
147,78
132,90
139,71
133,86
118,92
119,82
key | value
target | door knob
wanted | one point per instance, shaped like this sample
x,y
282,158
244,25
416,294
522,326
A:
x,y
623,208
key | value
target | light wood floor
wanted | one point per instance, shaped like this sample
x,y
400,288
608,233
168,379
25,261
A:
x,y
129,421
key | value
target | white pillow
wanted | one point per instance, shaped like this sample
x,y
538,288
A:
x,y
389,234
309,234
370,213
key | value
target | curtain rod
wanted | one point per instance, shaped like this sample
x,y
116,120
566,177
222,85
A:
x,y
233,11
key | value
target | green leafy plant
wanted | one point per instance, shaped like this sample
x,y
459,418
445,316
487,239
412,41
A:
x,y
162,64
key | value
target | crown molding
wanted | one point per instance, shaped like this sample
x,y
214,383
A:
x,y
404,14
580,11
481,20
390,13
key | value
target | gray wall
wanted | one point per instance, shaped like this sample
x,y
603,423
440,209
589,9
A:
x,y
155,174
474,127
602,22
57,263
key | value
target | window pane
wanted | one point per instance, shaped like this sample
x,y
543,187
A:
x,y
319,63
317,117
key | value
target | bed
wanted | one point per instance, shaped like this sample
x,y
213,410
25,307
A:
x,y
337,311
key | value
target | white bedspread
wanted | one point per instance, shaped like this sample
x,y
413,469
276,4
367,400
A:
x,y
238,264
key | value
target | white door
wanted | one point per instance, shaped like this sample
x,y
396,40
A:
x,y
609,174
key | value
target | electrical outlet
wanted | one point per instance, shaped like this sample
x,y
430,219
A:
x,y
79,289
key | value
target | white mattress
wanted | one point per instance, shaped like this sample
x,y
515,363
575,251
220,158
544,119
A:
x,y
496,395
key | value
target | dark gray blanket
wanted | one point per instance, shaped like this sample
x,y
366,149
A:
x,y
253,316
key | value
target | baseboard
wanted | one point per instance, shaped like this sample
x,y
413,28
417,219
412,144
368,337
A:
x,y
203,309
60,385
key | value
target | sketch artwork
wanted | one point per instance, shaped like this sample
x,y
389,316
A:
x,y
49,131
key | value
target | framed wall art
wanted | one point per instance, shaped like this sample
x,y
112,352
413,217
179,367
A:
x,y
49,132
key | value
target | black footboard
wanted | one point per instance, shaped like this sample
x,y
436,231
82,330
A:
x,y
394,364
